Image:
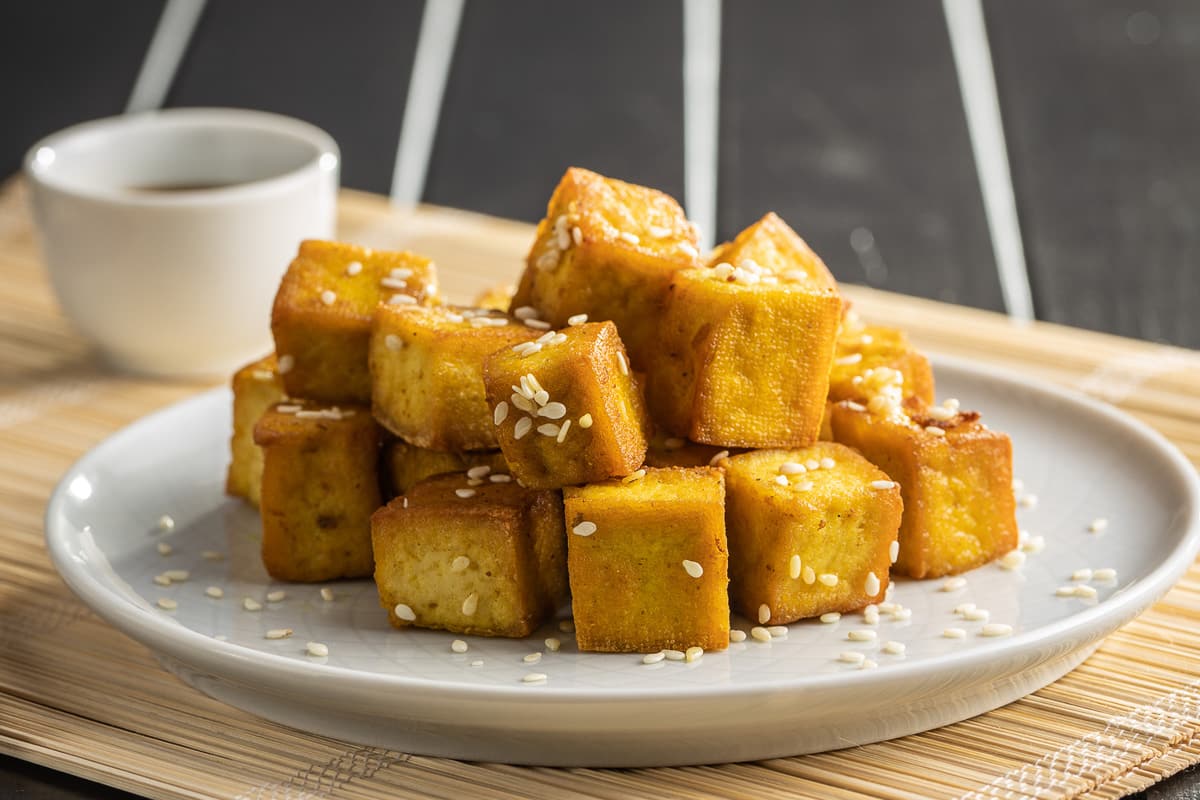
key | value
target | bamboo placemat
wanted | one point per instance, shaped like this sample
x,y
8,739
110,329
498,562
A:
x,y
78,696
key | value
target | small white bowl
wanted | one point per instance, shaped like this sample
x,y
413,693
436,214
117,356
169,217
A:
x,y
166,233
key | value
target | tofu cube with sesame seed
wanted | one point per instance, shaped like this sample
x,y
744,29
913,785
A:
x,y
671,451
322,315
256,387
405,465
427,372
607,249
567,409
488,559
808,532
955,475
648,562
745,345
320,486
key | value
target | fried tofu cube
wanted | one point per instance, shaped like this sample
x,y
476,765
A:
x,y
322,315
955,475
427,372
406,465
256,387
862,349
671,451
810,531
746,344
607,249
648,562
471,557
566,408
320,486
497,298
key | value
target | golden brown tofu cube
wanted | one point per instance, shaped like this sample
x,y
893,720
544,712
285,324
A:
x,y
671,451
406,464
810,531
607,249
427,372
471,556
746,344
323,311
955,475
256,387
497,298
320,486
566,408
862,349
648,562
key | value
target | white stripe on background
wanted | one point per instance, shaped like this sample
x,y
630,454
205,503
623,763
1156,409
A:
x,y
431,68
170,42
701,107
977,81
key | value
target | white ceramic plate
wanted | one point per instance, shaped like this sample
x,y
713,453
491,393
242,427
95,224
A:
x,y
408,691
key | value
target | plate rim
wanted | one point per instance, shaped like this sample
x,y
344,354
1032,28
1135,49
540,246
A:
x,y
164,635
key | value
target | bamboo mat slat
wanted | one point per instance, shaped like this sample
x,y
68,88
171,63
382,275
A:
x,y
77,696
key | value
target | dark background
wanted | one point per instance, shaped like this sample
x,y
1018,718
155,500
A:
x,y
845,116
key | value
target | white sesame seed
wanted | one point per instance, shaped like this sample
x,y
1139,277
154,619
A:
x,y
286,362
537,324
760,634
162,580
276,596
882,484
215,592
830,617
288,408
723,271
828,579
934,430
996,629
1097,525
480,471
791,468
782,480
861,635
402,300
460,564
327,594
803,486
470,604
653,658
952,403
872,585
566,625
393,342
871,615
553,644
250,604
940,413
717,458
562,431
736,635
778,631
558,338
846,361
692,568
541,397
894,551
622,364
577,236
585,528
477,662
534,677
1065,591
401,273
674,655
166,523
585,421
1018,485
963,608
658,231
532,658
894,648
1028,501
555,410
213,555
164,549
794,566
630,238
954,633
1013,559
278,633
465,493
1105,574
1035,544
500,477
527,348
812,464
353,268
1084,574
526,312
404,612
902,614
634,476
577,319
167,604
316,649
953,584
764,613
868,664
1086,592
548,429
562,238
809,575
853,406
694,653
523,426
394,283
851,657
177,575
687,249
977,615
522,403
458,646
888,608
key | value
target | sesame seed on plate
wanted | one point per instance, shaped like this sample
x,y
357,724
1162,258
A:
x,y
534,677
523,426
250,604
851,657
1097,525
737,635
901,614
577,319
894,551
954,633
760,634
653,658
694,653
871,615
215,592
764,613
470,604
977,615
162,580
278,633
327,594
404,612
166,523
868,664
1086,592
882,484
1105,574
167,604
1028,501
674,655
1065,591
1035,544
861,635
952,584
828,579
532,658
553,644
1084,574
1013,559
894,648
276,596
778,631
477,662
213,555
460,564
316,649
830,617
963,608
458,646
872,585
465,493
794,566
566,625
177,575
692,568
164,549
585,528
996,629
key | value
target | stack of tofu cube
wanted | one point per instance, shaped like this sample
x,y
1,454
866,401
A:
x,y
651,434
